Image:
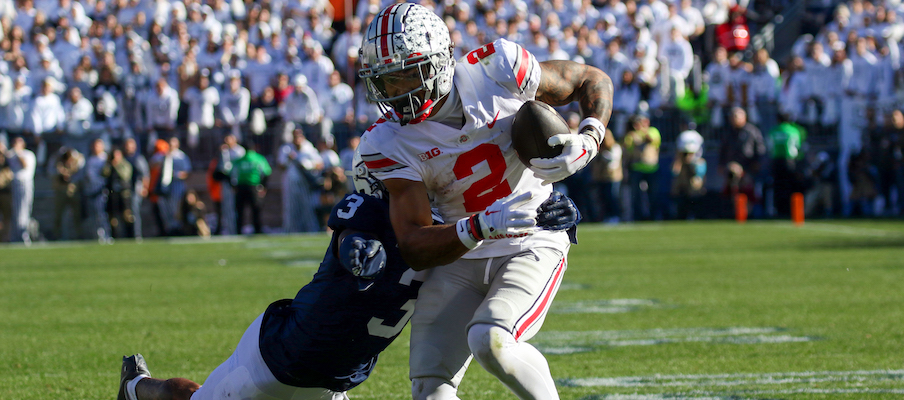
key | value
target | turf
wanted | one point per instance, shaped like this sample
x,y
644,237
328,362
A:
x,y
703,310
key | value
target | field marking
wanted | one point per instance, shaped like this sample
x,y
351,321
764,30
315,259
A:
x,y
571,342
774,378
847,230
612,306
740,395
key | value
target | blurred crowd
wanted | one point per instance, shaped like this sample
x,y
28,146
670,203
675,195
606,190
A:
x,y
90,86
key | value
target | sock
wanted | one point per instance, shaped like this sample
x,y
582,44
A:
x,y
130,387
520,366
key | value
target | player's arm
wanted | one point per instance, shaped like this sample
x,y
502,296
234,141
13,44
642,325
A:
x,y
362,254
425,245
562,82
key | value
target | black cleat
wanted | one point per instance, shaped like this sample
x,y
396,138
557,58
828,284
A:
x,y
132,366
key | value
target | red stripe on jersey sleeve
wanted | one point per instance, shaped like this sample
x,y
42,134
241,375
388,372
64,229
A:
x,y
381,163
522,69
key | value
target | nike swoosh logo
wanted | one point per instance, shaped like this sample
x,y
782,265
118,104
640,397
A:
x,y
579,157
491,124
488,212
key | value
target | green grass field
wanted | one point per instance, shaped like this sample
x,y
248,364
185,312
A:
x,y
704,310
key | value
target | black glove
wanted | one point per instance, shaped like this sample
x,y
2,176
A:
x,y
363,256
558,213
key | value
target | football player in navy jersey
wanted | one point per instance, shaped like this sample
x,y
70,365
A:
x,y
326,340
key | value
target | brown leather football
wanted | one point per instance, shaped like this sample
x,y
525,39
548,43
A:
x,y
533,125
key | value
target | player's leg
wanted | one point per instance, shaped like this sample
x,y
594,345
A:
x,y
522,289
245,375
136,383
439,344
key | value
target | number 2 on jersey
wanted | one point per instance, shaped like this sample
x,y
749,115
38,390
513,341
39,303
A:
x,y
480,53
488,189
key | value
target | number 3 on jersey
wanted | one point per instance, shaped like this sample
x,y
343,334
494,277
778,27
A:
x,y
482,193
354,201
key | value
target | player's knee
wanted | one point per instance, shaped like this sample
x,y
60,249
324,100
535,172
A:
x,y
487,342
181,388
432,389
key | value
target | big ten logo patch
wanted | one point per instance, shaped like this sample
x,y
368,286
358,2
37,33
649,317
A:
x,y
434,152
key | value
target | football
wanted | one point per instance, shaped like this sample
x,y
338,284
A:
x,y
533,125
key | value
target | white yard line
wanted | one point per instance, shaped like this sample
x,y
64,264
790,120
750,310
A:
x,y
777,378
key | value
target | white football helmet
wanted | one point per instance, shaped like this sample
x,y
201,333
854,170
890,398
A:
x,y
407,41
364,181
690,141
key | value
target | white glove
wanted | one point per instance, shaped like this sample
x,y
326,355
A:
x,y
579,150
500,220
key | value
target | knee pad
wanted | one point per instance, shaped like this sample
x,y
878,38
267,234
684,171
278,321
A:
x,y
433,389
487,342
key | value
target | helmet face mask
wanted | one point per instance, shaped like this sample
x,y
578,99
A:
x,y
407,62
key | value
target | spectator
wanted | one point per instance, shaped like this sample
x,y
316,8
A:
x,y
786,141
821,176
221,191
764,82
79,116
642,149
303,109
740,157
301,164
67,193
886,144
265,116
794,90
688,175
6,201
22,164
680,58
191,214
202,100
234,105
140,181
162,110
16,111
162,212
338,107
607,175
332,180
46,115
135,84
347,156
118,175
863,177
94,190
249,176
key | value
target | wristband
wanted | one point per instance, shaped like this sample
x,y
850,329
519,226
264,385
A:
x,y
594,128
468,232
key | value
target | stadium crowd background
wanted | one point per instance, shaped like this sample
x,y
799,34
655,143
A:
x,y
136,108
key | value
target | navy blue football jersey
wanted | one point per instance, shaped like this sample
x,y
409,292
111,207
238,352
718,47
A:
x,y
329,336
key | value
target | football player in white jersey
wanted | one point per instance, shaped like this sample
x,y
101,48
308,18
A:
x,y
445,141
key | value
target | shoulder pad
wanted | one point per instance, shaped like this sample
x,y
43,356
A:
x,y
509,64
360,212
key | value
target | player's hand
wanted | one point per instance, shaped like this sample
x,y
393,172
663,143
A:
x,y
578,150
506,217
364,257
558,213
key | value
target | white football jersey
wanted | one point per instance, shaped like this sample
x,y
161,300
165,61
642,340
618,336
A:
x,y
466,170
